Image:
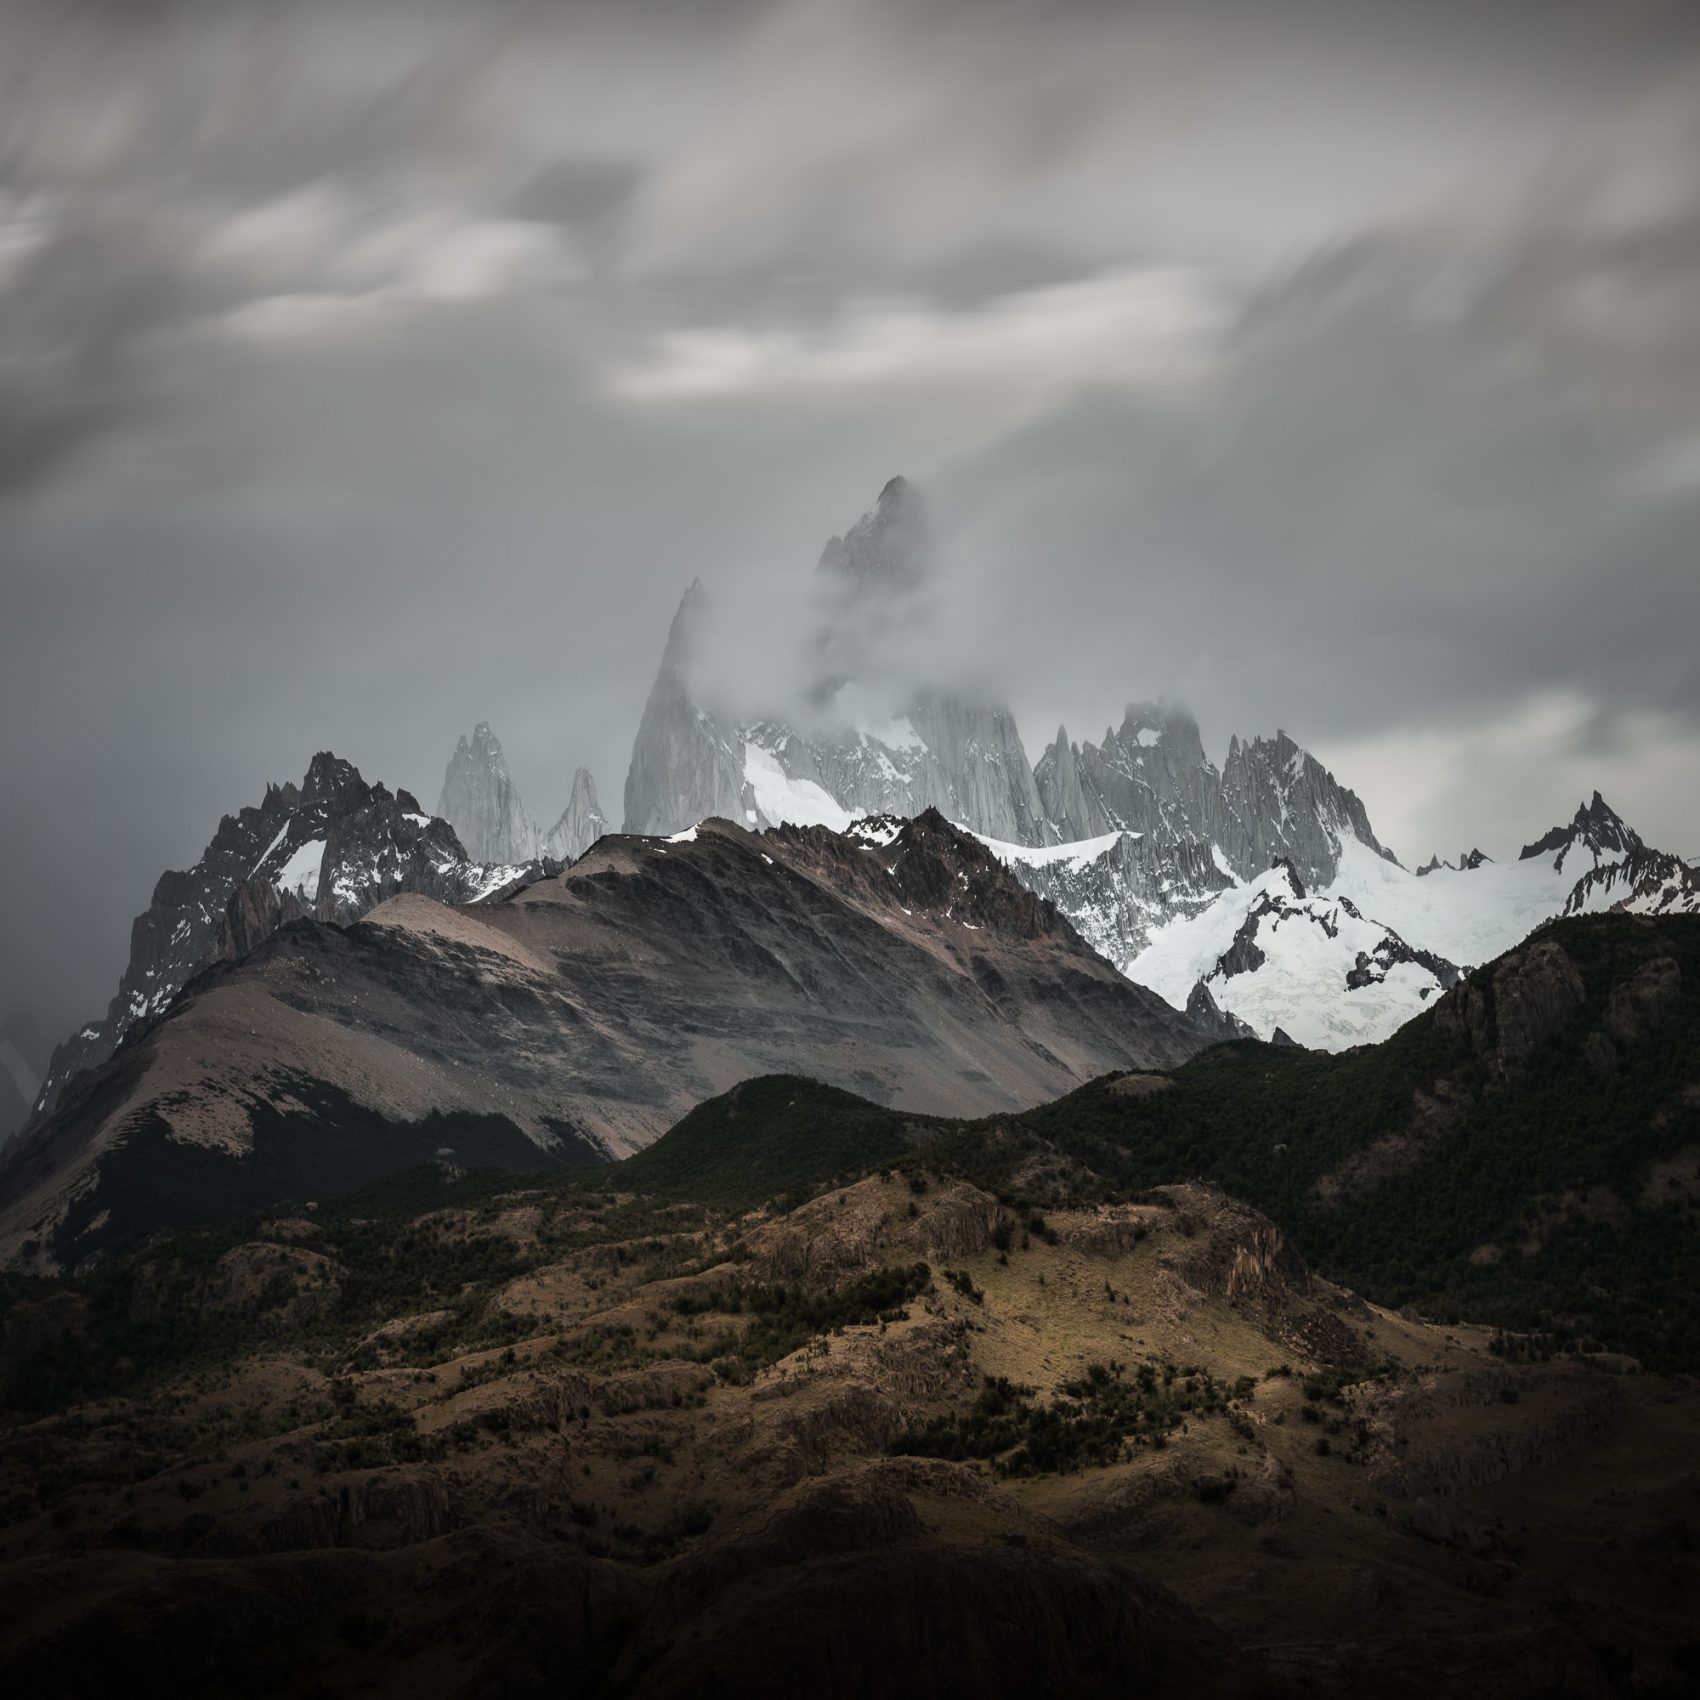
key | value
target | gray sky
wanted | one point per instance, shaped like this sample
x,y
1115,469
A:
x,y
370,369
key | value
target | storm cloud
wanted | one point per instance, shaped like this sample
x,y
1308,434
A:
x,y
370,369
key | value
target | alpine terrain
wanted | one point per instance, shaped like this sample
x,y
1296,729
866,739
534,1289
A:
x,y
577,1017
1257,890
331,848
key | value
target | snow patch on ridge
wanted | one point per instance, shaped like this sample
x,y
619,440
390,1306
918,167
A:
x,y
1080,854
301,872
781,799
1469,916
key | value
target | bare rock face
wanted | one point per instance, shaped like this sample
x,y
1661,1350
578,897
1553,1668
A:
x,y
480,802
255,910
1272,801
686,765
582,822
1533,995
1211,1018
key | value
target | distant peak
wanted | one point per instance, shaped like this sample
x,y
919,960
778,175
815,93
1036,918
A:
x,y
888,546
484,745
687,618
328,775
1596,826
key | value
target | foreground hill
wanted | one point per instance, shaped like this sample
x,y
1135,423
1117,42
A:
x,y
468,1437
577,1019
1527,1153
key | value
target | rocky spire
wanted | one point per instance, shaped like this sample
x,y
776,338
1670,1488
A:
x,y
887,548
1061,797
686,766
480,802
582,822
839,755
1596,832
1152,777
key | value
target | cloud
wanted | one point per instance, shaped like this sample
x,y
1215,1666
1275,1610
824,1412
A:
x,y
1136,326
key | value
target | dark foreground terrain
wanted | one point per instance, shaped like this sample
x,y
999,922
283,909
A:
x,y
814,1396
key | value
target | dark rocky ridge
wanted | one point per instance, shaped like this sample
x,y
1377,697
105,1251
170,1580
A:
x,y
1596,828
1647,881
376,843
599,1005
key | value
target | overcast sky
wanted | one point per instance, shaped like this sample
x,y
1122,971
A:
x,y
367,370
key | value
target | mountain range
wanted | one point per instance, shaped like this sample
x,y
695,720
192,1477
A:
x,y
574,1016
1256,895
1262,880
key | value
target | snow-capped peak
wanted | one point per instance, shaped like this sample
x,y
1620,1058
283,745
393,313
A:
x,y
1596,831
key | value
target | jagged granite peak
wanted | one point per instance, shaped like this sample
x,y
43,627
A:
x,y
582,821
479,800
1467,861
842,756
1596,831
1203,1010
1198,830
888,547
330,780
331,848
1153,777
1282,802
686,764
1061,795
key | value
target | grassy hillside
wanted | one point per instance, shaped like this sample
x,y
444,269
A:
x,y
1507,1171
553,1442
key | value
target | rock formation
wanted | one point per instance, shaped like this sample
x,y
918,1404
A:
x,y
1152,777
582,822
332,847
1596,833
480,802
829,760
